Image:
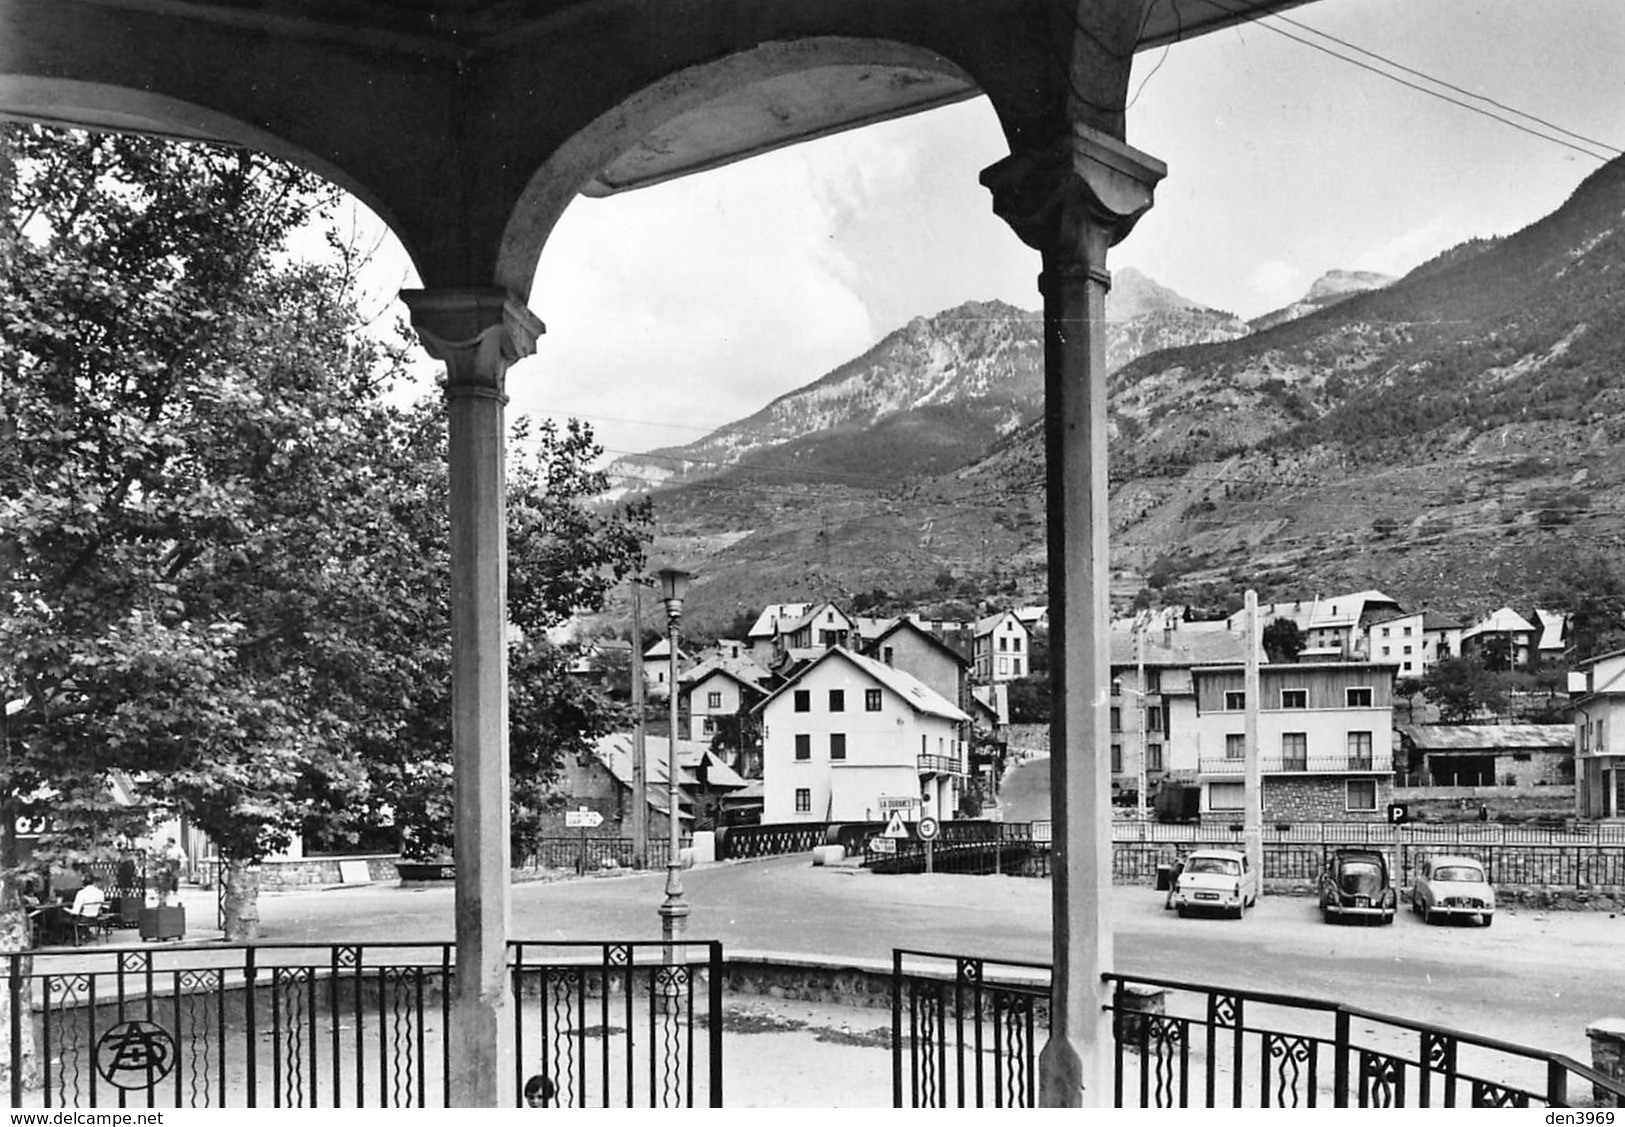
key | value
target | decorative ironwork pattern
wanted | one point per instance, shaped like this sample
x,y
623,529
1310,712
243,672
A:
x,y
927,1007
671,987
560,1029
1382,1080
1013,1051
65,1045
289,986
1163,1042
198,993
1486,1094
402,1016
1289,1071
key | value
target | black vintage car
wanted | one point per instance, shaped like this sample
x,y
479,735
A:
x,y
1356,883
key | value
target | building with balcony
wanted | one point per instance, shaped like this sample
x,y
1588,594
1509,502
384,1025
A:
x,y
1153,707
848,738
1325,736
1599,757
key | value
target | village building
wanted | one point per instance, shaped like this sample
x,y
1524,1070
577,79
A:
x,y
1599,717
1001,649
1487,755
849,738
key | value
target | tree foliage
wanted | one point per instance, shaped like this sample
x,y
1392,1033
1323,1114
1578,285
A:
x,y
1282,640
224,552
1461,688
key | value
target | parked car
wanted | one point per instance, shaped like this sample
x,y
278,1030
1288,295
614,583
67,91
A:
x,y
1356,883
1451,887
1218,880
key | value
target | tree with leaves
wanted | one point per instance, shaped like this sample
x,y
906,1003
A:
x,y
1282,640
1461,687
224,553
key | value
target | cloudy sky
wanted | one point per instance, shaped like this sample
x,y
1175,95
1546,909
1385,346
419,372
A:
x,y
675,309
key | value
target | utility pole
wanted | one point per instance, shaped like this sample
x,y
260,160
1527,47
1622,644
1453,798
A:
x,y
640,749
1139,684
1253,784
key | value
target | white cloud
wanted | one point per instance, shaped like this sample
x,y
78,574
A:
x,y
1409,249
1278,282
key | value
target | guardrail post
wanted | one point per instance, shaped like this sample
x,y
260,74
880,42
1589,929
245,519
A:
x,y
1340,1072
1557,1084
715,1023
896,1028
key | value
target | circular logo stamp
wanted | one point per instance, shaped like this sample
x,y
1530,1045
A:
x,y
135,1054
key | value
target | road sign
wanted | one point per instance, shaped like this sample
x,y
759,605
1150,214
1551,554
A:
x,y
584,818
883,845
927,828
892,802
894,825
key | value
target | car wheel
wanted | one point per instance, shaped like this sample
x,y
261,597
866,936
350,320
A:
x,y
1240,908
1181,910
1387,918
1488,919
1325,914
1427,914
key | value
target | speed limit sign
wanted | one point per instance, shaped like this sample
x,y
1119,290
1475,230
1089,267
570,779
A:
x,y
927,828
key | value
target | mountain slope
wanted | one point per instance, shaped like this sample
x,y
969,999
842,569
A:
x,y
1455,438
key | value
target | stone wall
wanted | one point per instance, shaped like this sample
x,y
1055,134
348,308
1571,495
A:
x,y
1296,799
318,872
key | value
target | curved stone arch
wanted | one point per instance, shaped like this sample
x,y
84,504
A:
x,y
74,104
578,161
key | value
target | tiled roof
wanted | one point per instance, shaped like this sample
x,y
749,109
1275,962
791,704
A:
x,y
918,696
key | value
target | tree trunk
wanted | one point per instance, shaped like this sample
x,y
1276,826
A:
x,y
14,938
241,902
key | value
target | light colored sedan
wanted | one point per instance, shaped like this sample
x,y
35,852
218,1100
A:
x,y
1452,888
1218,880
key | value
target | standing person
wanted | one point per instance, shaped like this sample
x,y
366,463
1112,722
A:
x,y
539,1091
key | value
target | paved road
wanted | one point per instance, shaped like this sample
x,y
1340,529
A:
x,y
1533,978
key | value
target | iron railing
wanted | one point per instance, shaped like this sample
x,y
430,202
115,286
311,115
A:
x,y
769,840
589,854
940,765
966,1032
1374,833
1298,764
308,1025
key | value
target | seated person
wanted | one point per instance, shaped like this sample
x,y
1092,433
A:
x,y
89,901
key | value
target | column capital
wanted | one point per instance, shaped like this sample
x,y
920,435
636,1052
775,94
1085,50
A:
x,y
1073,198
476,330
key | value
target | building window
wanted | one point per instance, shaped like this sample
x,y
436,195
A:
x,y
837,700
1153,719
1004,645
803,800
1153,680
1235,745
1117,719
708,726
1362,795
713,700
1359,751
1015,644
1117,686
1153,757
1235,702
837,745
871,700
1294,698
1294,751
1407,650
803,700
886,655
1406,631
1015,666
1359,698
803,746
1226,796
1004,665
1385,651
1385,631
1117,759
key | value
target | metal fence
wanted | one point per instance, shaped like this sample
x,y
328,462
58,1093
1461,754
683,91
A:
x,y
1374,833
308,1025
589,854
770,840
966,1032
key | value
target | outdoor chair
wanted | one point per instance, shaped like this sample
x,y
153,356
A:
x,y
96,921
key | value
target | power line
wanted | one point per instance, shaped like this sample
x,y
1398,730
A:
x,y
1268,25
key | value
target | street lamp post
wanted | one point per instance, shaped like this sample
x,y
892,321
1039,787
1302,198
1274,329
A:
x,y
674,909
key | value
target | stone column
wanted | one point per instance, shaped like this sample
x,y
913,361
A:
x,y
478,332
1071,201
